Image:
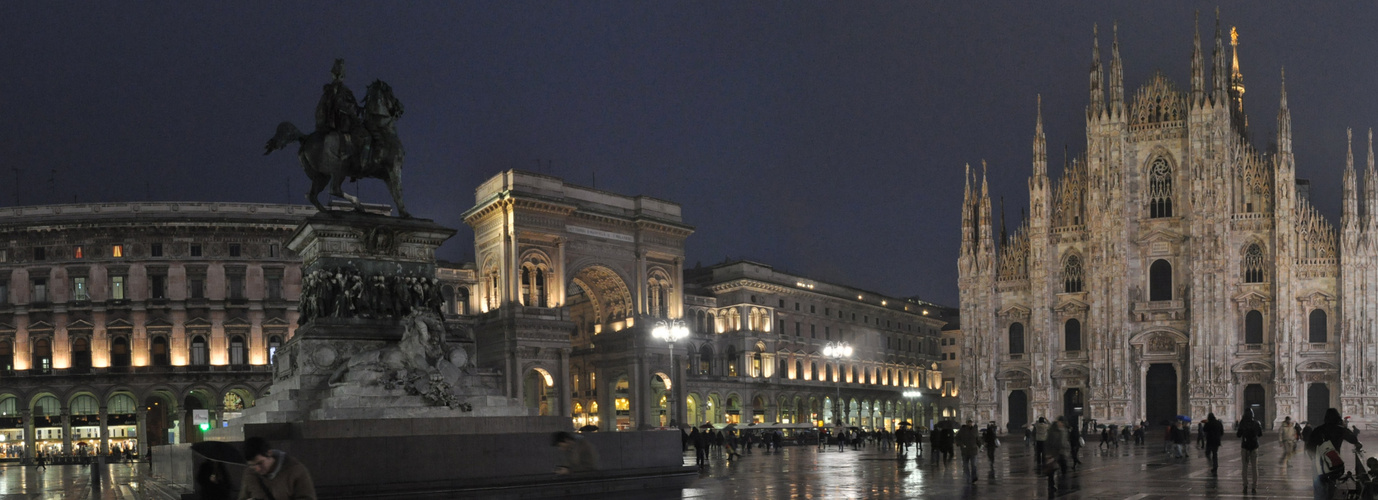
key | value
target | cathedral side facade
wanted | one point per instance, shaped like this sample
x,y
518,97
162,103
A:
x,y
1173,269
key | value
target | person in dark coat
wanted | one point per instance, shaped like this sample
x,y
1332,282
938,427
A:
x,y
989,440
700,440
1213,429
1248,432
1055,452
1181,438
970,443
1074,445
1334,431
935,438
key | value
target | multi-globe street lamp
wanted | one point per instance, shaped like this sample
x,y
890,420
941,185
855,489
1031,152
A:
x,y
837,351
671,331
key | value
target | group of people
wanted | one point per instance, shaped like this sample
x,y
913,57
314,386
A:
x,y
729,442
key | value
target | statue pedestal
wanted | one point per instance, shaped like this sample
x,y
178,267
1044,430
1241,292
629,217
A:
x,y
372,344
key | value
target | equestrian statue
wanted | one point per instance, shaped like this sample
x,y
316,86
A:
x,y
350,140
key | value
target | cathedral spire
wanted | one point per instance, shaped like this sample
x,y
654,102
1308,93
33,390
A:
x,y
1198,64
1284,119
1350,196
1097,104
967,221
1116,72
1370,190
1237,81
1004,236
1040,147
1219,78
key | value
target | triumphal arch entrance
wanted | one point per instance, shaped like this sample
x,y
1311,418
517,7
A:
x,y
571,282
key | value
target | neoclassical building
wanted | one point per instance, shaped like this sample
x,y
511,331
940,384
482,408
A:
x,y
1173,268
756,351
118,321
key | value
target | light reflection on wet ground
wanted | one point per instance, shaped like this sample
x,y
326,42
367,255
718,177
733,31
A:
x,y
1128,472
72,482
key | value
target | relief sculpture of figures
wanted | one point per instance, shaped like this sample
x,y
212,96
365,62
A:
x,y
351,141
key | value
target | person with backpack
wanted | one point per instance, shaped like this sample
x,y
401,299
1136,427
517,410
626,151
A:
x,y
1323,446
1249,430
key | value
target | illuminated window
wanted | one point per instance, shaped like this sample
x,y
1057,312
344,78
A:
x,y
117,287
77,253
79,291
117,251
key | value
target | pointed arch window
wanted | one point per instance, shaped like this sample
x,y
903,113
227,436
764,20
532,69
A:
x,y
1253,328
1318,323
1160,280
1253,264
1159,189
1071,335
1071,275
1017,338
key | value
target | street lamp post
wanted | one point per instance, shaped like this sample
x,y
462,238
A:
x,y
837,351
671,331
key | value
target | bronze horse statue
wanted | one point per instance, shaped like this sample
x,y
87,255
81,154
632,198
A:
x,y
371,151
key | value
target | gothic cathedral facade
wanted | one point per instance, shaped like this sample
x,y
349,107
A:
x,y
1173,269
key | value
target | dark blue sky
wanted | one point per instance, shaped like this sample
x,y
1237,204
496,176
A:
x,y
827,139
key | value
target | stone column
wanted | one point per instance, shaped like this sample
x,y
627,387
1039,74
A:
x,y
677,390
563,383
22,352
141,431
29,444
104,417
640,394
66,431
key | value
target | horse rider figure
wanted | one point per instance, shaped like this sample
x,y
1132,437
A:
x,y
337,115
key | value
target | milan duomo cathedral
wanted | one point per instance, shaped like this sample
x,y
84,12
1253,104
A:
x,y
1173,269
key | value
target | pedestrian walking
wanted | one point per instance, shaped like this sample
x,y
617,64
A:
x,y
1287,440
970,443
700,440
1249,432
1213,429
1055,452
1181,437
1329,436
1104,438
991,442
1074,445
1040,438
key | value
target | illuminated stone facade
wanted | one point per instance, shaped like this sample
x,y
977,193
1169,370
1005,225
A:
x,y
755,353
1172,269
132,315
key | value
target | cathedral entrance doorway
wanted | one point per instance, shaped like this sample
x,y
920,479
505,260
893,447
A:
x,y
1254,400
1019,410
1317,401
1072,406
1160,394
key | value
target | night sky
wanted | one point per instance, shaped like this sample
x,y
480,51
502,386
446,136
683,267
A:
x,y
826,139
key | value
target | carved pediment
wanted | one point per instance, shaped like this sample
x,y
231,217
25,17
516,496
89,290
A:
x,y
1071,372
40,325
275,322
237,321
1013,375
1072,307
1015,313
1251,299
198,322
80,324
1317,366
1317,298
1161,235
6,327
119,323
157,322
1252,366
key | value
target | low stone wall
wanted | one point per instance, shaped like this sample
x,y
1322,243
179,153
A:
x,y
393,462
